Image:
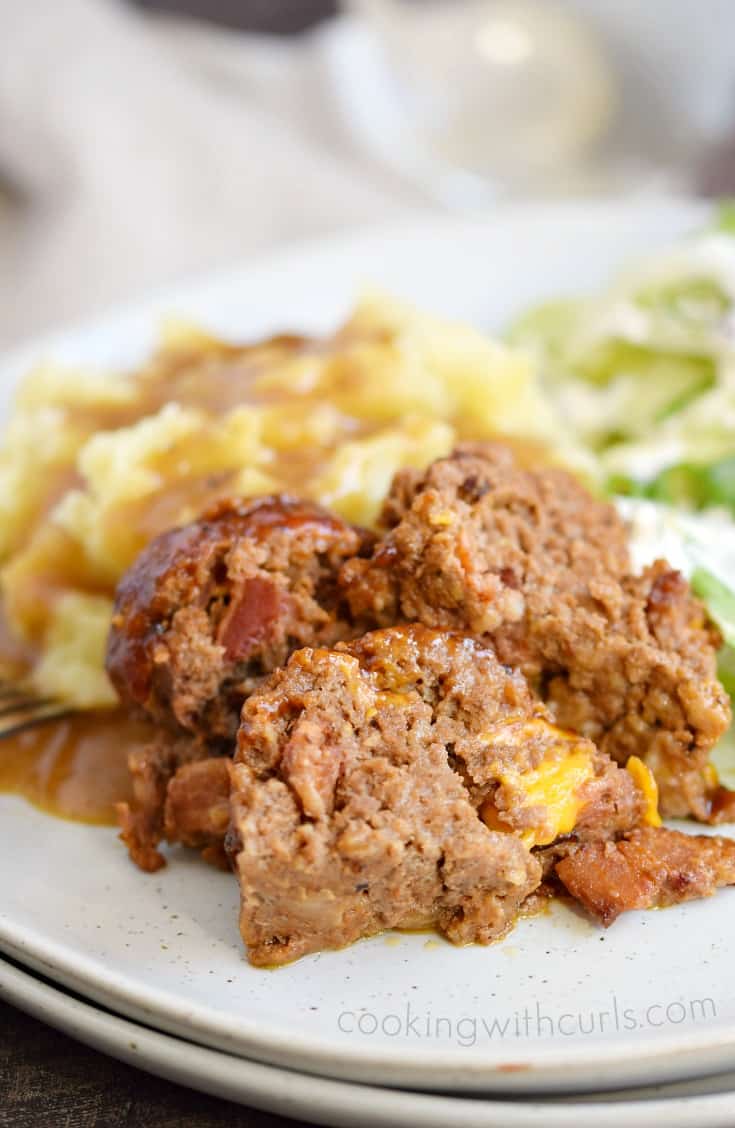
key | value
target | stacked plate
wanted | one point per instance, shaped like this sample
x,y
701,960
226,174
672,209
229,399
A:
x,y
558,1018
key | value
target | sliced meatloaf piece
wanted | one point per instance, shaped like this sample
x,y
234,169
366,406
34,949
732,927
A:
x,y
180,794
642,680
479,544
530,562
403,780
651,867
151,769
208,609
197,810
190,802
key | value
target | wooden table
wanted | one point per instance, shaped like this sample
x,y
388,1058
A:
x,y
49,1081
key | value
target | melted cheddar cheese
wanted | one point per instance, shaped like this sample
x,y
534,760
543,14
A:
x,y
553,787
645,783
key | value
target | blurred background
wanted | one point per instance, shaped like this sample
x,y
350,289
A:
x,y
140,142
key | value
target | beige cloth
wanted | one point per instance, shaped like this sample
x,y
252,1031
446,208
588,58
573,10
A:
x,y
135,150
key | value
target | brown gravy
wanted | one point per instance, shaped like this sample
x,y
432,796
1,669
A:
x,y
75,768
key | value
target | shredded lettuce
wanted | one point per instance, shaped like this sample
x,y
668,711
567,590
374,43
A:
x,y
719,599
684,484
725,217
644,373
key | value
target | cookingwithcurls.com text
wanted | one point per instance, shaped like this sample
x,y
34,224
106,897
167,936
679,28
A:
x,y
529,1022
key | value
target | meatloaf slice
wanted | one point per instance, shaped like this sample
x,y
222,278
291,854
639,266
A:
x,y
477,543
532,563
208,609
651,867
180,794
641,679
190,802
151,770
399,781
197,810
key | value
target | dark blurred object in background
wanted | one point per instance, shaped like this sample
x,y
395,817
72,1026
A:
x,y
281,17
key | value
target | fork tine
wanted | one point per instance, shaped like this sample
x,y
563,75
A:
x,y
20,709
24,705
42,714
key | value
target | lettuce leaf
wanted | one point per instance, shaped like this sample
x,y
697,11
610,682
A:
x,y
644,372
725,216
719,599
684,484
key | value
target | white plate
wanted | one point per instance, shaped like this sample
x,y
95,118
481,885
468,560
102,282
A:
x,y
685,1105
165,949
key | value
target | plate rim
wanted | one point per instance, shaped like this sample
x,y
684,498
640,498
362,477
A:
x,y
273,1089
548,1069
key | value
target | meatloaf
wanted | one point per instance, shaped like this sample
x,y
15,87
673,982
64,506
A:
x,y
180,794
203,614
404,780
647,868
208,609
531,563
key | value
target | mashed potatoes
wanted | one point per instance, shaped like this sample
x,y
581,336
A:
x,y
93,466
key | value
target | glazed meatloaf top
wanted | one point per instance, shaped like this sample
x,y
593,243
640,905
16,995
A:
x,y
208,609
403,780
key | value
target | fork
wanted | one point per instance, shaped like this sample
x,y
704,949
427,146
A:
x,y
21,709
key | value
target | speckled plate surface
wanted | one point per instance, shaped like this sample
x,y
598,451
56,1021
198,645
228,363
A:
x,y
559,1005
321,1101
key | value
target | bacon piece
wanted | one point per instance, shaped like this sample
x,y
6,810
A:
x,y
651,867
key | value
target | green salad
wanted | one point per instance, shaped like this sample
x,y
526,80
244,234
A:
x,y
643,374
